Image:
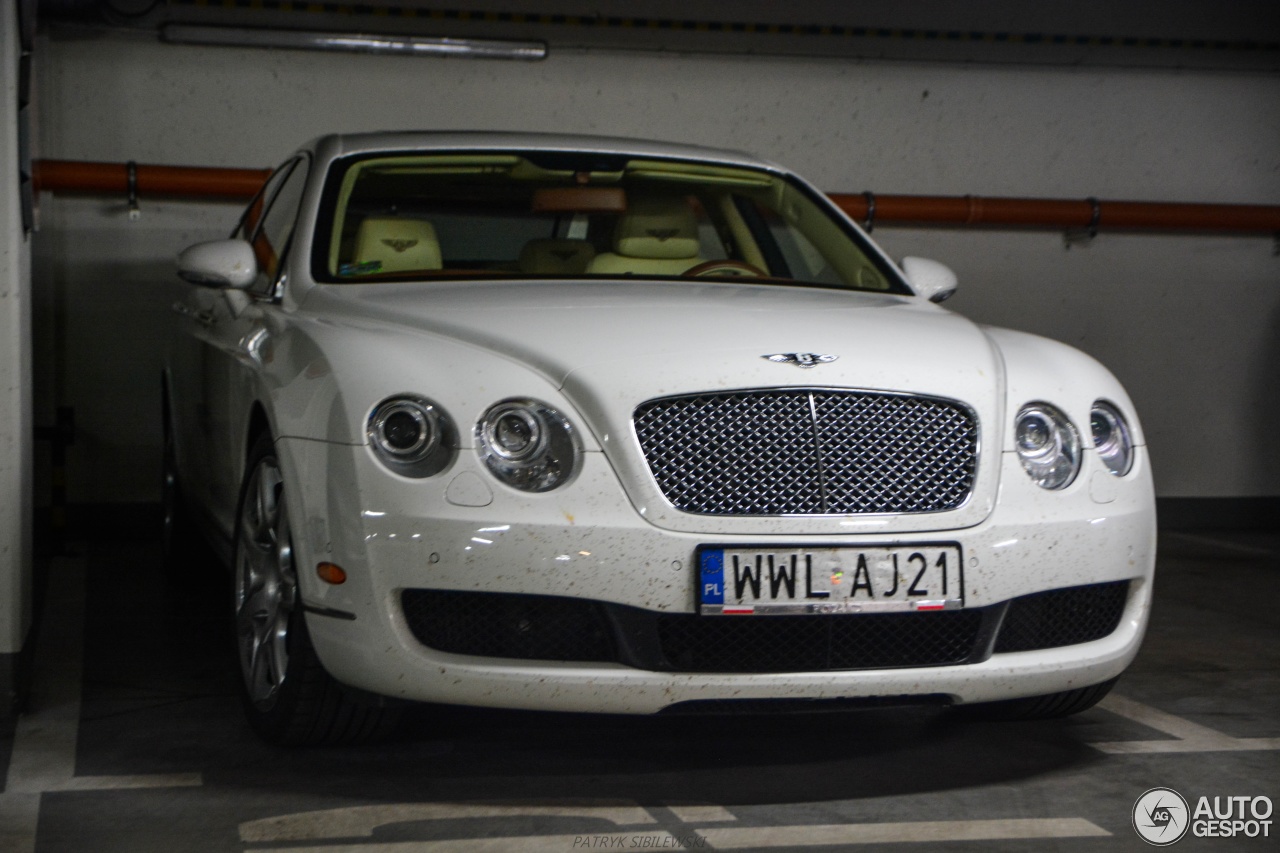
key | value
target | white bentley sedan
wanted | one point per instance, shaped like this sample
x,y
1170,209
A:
x,y
597,425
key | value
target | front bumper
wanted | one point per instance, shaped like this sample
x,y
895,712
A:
x,y
587,542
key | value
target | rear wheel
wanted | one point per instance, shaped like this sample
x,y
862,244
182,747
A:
x,y
289,698
1047,707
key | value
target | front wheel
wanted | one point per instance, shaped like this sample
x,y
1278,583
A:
x,y
289,698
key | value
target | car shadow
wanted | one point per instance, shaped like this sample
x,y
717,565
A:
x,y
170,704
745,759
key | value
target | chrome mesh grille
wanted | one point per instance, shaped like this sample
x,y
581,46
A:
x,y
809,452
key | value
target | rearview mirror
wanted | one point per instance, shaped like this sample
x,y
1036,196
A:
x,y
219,263
930,279
579,200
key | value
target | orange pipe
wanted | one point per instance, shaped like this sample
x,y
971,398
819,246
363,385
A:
x,y
220,183
1063,213
185,181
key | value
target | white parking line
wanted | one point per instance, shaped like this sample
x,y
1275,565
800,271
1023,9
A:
x,y
789,837
1187,736
361,821
702,814
653,840
44,741
121,783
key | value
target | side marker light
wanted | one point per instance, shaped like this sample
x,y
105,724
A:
x,y
330,573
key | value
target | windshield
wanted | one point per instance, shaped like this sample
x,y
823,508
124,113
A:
x,y
573,215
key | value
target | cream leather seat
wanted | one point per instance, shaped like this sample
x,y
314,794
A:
x,y
556,257
398,244
656,236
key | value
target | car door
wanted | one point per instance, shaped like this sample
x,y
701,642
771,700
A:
x,y
228,340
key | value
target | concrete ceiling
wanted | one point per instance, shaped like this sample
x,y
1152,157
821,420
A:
x,y
1244,34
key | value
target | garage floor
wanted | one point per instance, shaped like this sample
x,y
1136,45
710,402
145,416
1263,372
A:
x,y
136,743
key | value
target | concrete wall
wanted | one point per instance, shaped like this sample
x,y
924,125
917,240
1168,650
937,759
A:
x,y
15,381
1188,323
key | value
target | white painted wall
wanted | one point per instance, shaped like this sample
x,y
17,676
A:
x,y
1188,323
15,375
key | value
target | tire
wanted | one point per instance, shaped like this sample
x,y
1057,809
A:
x,y
1048,707
288,697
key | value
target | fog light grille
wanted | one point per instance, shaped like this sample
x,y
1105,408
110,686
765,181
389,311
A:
x,y
524,627
1062,617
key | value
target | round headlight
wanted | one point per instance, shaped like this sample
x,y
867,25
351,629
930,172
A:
x,y
1048,445
514,432
410,435
527,444
1111,437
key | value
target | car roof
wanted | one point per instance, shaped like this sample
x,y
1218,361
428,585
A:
x,y
339,145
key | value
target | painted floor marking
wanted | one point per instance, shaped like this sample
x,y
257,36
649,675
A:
x,y
651,840
44,740
702,814
1187,736
734,838
362,821
121,783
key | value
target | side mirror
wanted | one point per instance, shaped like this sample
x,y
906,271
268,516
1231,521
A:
x,y
930,279
220,263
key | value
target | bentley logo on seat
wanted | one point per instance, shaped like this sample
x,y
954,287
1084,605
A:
x,y
801,359
399,245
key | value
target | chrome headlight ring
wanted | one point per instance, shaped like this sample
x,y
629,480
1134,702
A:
x,y
528,445
1111,437
411,435
1048,445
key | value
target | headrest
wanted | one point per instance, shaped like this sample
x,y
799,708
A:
x,y
657,228
554,257
398,244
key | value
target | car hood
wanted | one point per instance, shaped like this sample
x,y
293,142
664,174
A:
x,y
610,345
675,337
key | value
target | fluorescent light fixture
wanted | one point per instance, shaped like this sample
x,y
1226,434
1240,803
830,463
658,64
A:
x,y
353,42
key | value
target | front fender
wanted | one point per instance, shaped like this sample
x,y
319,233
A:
x,y
1041,369
325,378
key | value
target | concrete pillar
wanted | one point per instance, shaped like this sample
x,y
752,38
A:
x,y
16,428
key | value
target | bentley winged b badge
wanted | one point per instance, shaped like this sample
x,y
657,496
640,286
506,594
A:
x,y
801,359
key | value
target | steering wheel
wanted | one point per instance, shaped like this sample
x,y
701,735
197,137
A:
x,y
726,267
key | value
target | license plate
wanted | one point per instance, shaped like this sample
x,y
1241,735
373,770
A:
x,y
763,582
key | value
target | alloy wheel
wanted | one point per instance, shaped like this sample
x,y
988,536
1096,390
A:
x,y
266,587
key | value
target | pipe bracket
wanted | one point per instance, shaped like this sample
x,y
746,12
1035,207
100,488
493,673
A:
x,y
135,213
1084,236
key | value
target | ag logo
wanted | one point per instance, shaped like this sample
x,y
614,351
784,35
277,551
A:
x,y
1161,816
